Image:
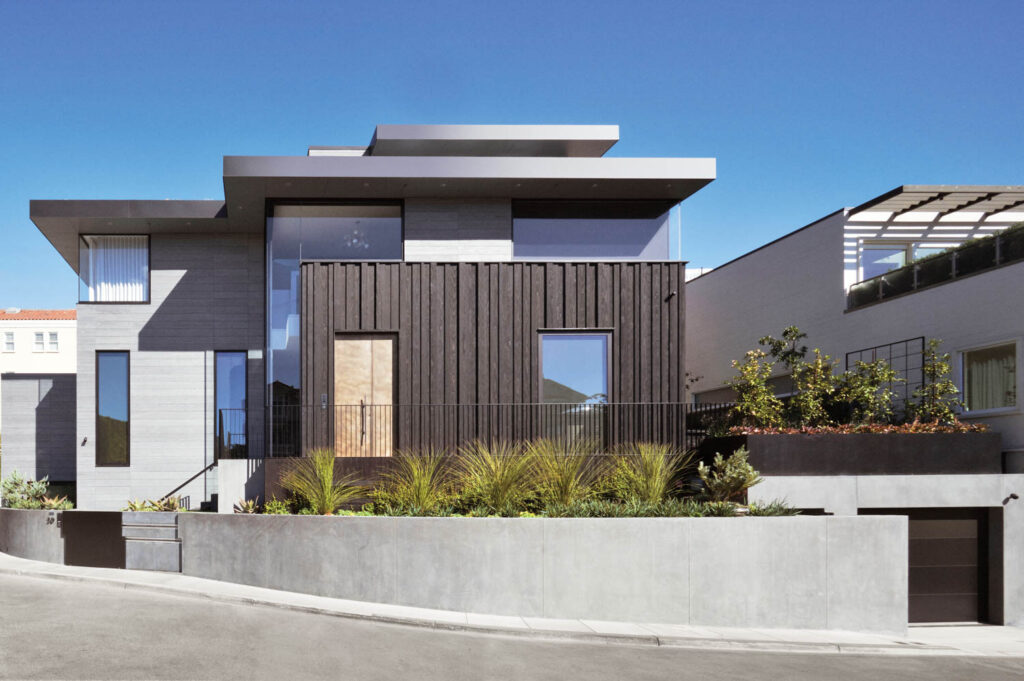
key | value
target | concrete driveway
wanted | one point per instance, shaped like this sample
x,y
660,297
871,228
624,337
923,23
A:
x,y
65,630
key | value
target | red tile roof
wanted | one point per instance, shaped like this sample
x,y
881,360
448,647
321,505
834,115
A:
x,y
42,315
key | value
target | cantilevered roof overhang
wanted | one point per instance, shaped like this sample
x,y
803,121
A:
x,y
493,140
938,201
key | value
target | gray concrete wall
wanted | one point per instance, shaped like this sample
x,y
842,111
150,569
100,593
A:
x,y
38,426
207,294
844,495
31,534
807,572
239,479
458,230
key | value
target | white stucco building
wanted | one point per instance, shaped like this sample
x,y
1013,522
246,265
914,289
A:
x,y
37,341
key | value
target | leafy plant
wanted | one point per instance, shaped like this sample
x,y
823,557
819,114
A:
x,y
728,479
417,484
56,504
137,505
167,504
776,507
311,478
936,399
566,471
648,471
756,404
497,477
866,389
17,491
247,505
276,507
720,509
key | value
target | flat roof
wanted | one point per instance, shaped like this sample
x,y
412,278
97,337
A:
x,y
493,140
945,199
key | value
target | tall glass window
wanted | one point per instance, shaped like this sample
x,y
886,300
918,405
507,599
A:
x,y
590,230
230,397
113,269
990,377
112,409
297,232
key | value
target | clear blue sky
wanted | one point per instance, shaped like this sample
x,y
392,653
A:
x,y
808,106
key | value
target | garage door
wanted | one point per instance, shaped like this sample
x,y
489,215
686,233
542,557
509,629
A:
x,y
948,567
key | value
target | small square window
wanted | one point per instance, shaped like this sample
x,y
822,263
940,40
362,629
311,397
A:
x,y
8,341
990,377
39,345
53,345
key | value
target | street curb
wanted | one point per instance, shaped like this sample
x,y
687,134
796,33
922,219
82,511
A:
x,y
736,645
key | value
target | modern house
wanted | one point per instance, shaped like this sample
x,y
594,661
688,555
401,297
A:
x,y
878,281
441,284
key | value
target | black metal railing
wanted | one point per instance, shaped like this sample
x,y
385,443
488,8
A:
x,y
380,430
970,258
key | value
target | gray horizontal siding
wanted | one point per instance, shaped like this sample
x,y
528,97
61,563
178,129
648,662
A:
x,y
39,426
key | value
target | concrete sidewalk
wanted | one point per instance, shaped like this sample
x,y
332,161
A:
x,y
945,640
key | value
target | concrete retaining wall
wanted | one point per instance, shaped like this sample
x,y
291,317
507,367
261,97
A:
x,y
35,535
797,572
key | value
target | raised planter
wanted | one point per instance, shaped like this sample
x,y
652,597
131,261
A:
x,y
151,541
865,453
935,270
792,572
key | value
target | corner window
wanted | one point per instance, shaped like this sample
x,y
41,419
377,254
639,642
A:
x,y
990,377
52,344
113,269
876,260
38,345
112,409
8,341
590,230
229,395
574,368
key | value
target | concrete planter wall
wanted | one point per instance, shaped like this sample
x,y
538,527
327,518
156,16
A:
x,y
151,541
35,535
866,453
797,572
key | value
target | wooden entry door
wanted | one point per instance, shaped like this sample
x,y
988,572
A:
x,y
363,395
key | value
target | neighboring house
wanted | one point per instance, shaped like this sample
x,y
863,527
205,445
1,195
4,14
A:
x,y
850,281
37,366
443,283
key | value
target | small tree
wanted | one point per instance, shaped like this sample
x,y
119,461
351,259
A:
x,y
935,400
867,390
728,479
756,404
814,385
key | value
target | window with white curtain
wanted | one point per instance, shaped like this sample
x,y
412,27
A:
x,y
990,377
114,269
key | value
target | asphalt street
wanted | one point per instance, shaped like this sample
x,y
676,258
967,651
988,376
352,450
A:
x,y
66,630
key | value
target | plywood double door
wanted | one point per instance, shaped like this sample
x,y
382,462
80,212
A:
x,y
364,389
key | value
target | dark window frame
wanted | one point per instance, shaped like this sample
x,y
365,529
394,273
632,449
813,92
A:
x,y
216,391
128,409
149,271
600,331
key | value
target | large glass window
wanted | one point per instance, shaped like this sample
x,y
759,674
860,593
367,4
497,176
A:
x,y
574,368
590,230
297,232
230,397
113,269
990,377
112,409
876,260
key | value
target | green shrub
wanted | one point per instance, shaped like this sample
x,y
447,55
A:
x,y
566,472
56,504
866,390
756,404
607,508
248,506
778,507
648,471
498,477
728,479
719,509
276,507
17,491
936,401
418,484
311,478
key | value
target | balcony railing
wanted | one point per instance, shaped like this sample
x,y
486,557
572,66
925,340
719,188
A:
x,y
380,430
970,258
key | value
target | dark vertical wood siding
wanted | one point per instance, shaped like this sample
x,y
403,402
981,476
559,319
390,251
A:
x,y
468,332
